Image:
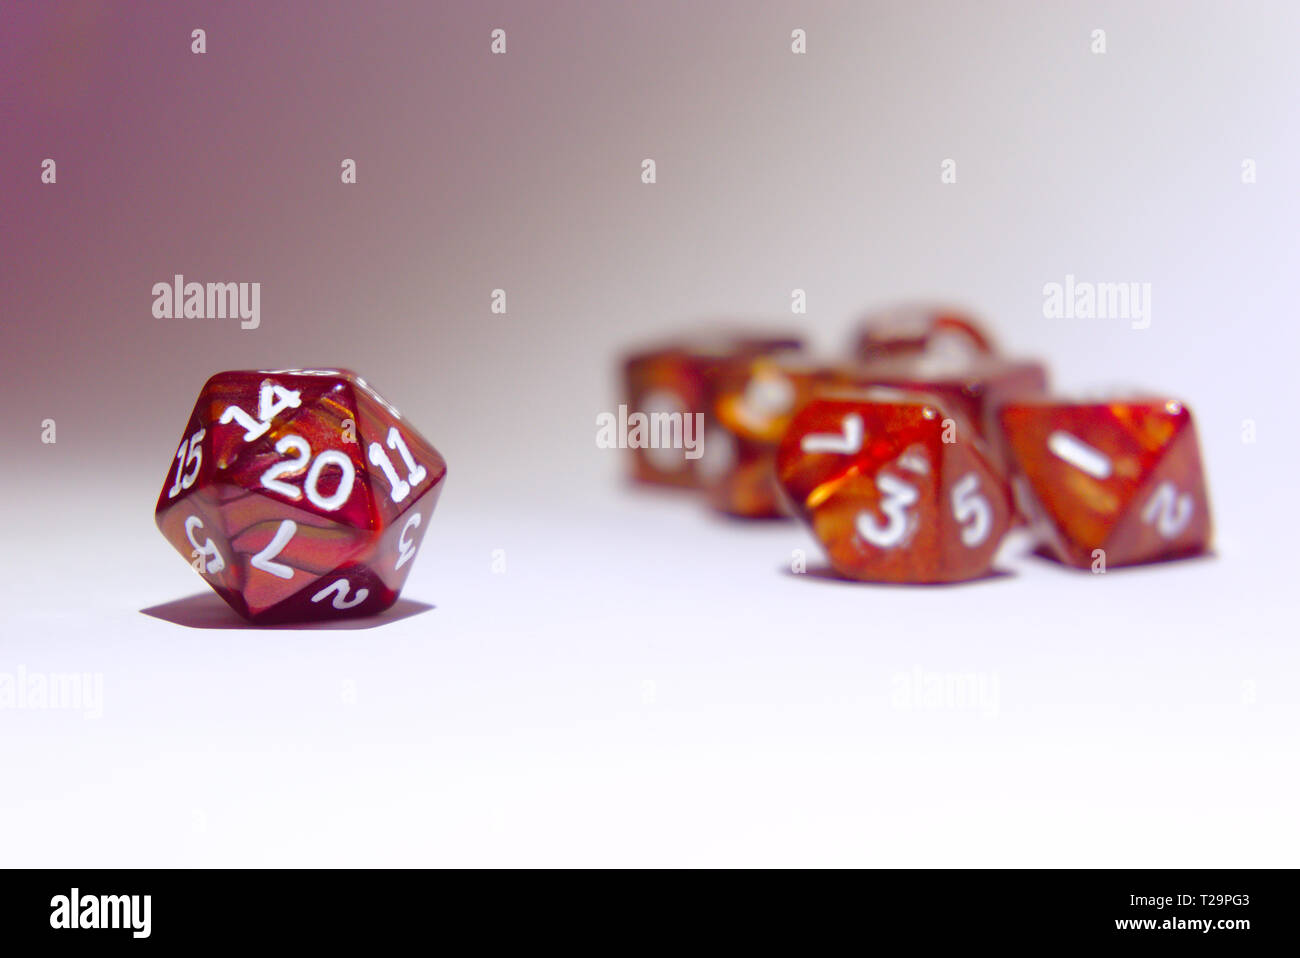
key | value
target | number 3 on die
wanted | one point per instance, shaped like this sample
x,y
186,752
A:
x,y
406,544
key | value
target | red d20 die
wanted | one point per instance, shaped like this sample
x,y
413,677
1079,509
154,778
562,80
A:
x,y
299,494
1119,481
894,488
679,379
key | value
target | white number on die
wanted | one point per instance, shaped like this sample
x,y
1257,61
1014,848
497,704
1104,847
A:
x,y
189,454
1168,510
898,496
846,443
969,504
347,476
291,467
271,401
398,488
339,589
405,547
263,560
1079,454
311,485
768,393
212,561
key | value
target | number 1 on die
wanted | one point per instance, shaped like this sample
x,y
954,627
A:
x,y
398,487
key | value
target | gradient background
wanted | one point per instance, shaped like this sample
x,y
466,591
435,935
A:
x,y
644,684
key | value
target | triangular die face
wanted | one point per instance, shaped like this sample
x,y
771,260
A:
x,y
278,549
1170,514
974,510
402,465
194,525
822,443
1085,463
349,591
304,457
393,555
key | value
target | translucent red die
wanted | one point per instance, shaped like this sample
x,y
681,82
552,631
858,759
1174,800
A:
x,y
1109,483
299,494
895,488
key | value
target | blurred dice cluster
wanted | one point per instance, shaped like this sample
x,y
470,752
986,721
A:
x,y
911,458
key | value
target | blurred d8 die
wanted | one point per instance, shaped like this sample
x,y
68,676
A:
x,y
894,488
299,494
1120,482
679,380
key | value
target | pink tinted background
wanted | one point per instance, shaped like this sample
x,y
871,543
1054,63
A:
x,y
521,171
